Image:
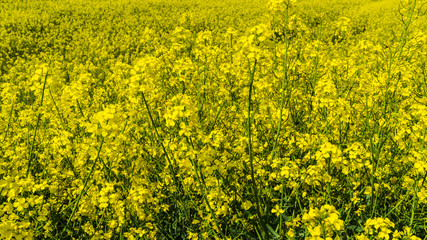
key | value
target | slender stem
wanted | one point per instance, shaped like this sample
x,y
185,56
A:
x,y
80,108
282,100
400,202
405,31
86,182
57,109
205,197
161,143
36,128
251,157
414,203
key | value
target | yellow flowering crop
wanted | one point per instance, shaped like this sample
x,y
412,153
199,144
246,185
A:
x,y
265,119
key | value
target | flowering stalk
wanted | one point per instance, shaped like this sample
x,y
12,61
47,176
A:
x,y
175,180
251,157
36,128
76,204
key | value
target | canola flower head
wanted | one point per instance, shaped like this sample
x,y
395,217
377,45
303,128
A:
x,y
214,118
280,5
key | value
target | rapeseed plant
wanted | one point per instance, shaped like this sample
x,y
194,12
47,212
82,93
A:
x,y
218,120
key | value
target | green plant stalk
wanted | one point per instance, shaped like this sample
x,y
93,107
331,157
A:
x,y
258,232
85,182
405,31
386,97
124,127
378,147
285,78
156,219
374,169
281,206
205,197
316,60
57,109
80,108
297,191
387,84
402,44
161,143
107,169
282,100
251,157
35,129
414,203
400,202
217,116
71,203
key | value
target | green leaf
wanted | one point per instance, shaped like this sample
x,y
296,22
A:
x,y
275,234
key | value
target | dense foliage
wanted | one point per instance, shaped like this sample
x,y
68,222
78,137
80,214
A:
x,y
213,119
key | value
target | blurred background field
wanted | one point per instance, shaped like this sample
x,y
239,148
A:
x,y
44,29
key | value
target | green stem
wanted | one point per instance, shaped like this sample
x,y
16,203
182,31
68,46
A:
x,y
161,143
57,109
400,202
405,31
414,203
85,182
251,157
35,129
282,99
203,189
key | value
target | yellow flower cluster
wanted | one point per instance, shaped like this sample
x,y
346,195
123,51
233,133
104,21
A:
x,y
323,223
380,228
233,119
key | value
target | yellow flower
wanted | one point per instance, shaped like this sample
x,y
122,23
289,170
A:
x,y
246,205
193,236
314,232
362,237
291,233
335,222
311,215
277,210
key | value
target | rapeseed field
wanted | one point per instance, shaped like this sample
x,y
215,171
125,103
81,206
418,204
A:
x,y
204,119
